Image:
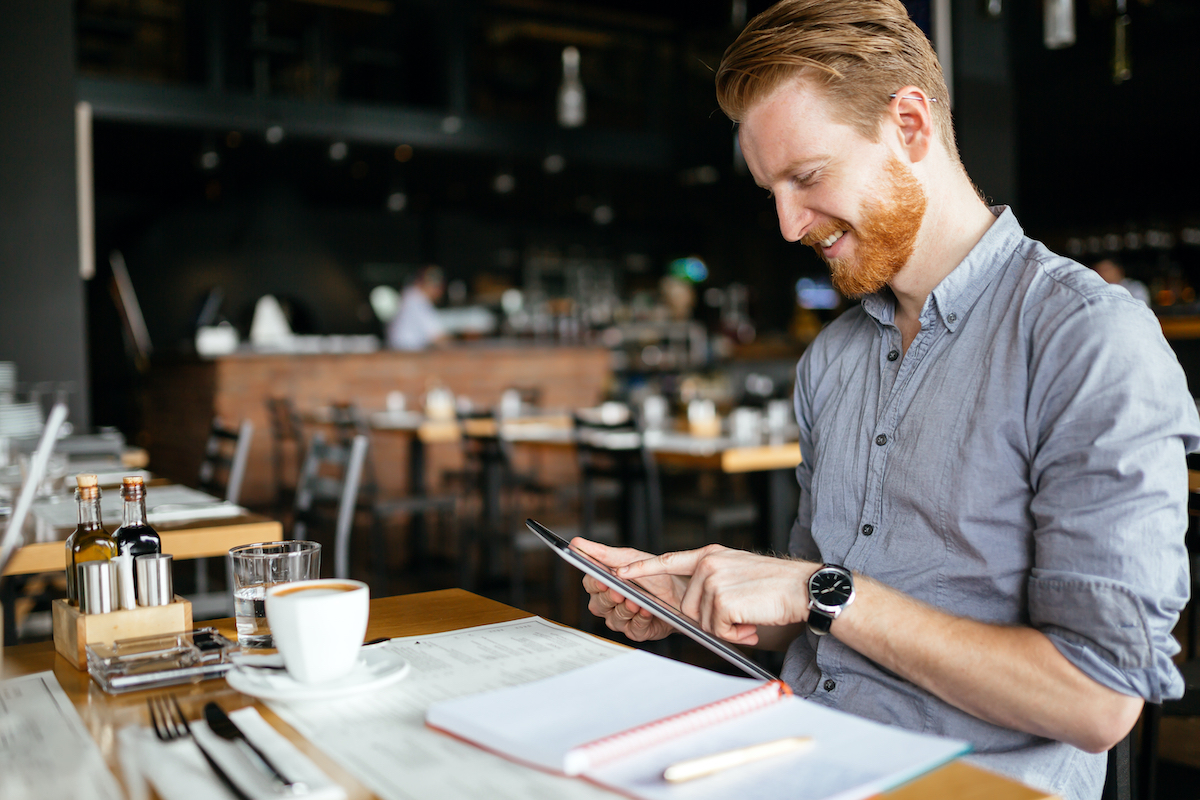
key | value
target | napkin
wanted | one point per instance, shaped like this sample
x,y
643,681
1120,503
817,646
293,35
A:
x,y
178,771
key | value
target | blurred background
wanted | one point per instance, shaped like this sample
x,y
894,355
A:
x,y
316,150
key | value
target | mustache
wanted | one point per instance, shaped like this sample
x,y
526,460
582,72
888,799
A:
x,y
823,231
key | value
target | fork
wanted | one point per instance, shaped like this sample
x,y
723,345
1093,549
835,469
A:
x,y
170,724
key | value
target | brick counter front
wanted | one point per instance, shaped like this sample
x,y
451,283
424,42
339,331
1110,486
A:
x,y
183,396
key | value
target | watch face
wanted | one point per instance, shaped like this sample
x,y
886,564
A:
x,y
830,588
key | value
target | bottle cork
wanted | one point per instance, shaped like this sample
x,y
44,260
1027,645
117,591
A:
x,y
89,486
131,480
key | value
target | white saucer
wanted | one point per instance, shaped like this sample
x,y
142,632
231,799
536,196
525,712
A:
x,y
376,667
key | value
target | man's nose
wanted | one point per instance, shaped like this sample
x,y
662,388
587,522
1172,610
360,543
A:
x,y
794,217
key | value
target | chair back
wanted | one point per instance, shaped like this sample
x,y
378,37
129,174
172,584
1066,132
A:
x,y
225,456
331,474
349,422
618,450
287,430
37,470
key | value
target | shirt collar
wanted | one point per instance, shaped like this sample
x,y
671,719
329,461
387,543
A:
x,y
958,291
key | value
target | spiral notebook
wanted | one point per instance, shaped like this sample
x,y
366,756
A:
x,y
620,722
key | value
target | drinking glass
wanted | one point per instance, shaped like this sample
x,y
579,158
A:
x,y
256,567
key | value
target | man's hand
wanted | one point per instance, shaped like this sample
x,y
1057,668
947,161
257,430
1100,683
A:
x,y
733,592
619,613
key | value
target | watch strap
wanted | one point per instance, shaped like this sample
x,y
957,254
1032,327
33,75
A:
x,y
819,621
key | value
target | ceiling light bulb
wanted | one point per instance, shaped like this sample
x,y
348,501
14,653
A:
x,y
504,183
572,102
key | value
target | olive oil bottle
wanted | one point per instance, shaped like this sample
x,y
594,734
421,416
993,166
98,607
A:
x,y
89,542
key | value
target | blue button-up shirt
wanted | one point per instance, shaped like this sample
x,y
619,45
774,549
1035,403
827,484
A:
x,y
1023,463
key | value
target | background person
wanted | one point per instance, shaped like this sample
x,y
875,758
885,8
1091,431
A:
x,y
993,441
1114,273
416,324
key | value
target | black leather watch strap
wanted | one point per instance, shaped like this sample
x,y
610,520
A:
x,y
819,621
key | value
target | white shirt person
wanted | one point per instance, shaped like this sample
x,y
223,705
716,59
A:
x,y
416,324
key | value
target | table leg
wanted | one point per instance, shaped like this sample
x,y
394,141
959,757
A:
x,y
8,614
416,485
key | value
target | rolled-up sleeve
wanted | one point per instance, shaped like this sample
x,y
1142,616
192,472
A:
x,y
1110,422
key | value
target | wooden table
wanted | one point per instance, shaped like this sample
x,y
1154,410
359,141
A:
x,y
183,540
407,615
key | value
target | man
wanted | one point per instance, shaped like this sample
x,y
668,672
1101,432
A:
x,y
416,324
993,442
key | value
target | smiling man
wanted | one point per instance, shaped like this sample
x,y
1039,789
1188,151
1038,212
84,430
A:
x,y
989,540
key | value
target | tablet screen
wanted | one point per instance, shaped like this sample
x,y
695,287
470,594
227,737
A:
x,y
652,603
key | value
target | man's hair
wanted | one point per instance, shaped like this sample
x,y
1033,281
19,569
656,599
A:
x,y
857,52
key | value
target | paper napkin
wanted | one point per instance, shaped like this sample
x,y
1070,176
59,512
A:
x,y
178,771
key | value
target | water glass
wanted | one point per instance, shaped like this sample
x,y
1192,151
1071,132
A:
x,y
257,567
745,424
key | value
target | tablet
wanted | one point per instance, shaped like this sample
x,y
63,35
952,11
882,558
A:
x,y
659,608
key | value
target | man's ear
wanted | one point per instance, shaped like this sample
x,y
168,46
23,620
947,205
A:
x,y
911,112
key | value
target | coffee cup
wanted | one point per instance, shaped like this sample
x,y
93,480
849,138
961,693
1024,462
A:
x,y
318,626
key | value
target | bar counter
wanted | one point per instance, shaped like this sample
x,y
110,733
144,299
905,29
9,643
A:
x,y
183,395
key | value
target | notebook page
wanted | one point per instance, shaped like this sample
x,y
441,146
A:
x,y
540,722
853,758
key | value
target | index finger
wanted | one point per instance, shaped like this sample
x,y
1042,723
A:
x,y
682,562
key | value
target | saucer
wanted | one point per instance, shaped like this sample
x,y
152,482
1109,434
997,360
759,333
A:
x,y
376,667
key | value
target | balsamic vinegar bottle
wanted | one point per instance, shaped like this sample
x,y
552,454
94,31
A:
x,y
135,536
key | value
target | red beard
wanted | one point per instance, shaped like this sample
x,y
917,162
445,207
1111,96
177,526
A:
x,y
885,238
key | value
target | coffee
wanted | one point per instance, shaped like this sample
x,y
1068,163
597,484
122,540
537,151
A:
x,y
316,591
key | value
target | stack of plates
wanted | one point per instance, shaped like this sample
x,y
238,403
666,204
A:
x,y
20,420
8,381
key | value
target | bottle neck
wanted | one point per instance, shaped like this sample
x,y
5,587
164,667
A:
x,y
135,510
89,509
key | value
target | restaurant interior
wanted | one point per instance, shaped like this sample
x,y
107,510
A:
x,y
210,211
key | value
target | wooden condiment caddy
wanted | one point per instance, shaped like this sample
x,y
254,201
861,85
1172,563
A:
x,y
74,630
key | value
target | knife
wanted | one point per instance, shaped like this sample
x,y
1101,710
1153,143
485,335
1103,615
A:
x,y
220,724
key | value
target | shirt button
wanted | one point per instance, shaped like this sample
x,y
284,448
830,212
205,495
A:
x,y
881,439
892,356
868,529
830,685
951,317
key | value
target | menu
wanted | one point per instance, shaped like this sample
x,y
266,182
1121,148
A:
x,y
381,738
45,750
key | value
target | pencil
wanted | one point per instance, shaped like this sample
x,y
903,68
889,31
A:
x,y
707,765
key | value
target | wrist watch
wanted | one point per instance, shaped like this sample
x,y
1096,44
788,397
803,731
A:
x,y
830,590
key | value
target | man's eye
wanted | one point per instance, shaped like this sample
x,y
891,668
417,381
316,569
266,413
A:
x,y
806,179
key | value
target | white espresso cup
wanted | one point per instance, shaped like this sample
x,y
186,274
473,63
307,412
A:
x,y
318,626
